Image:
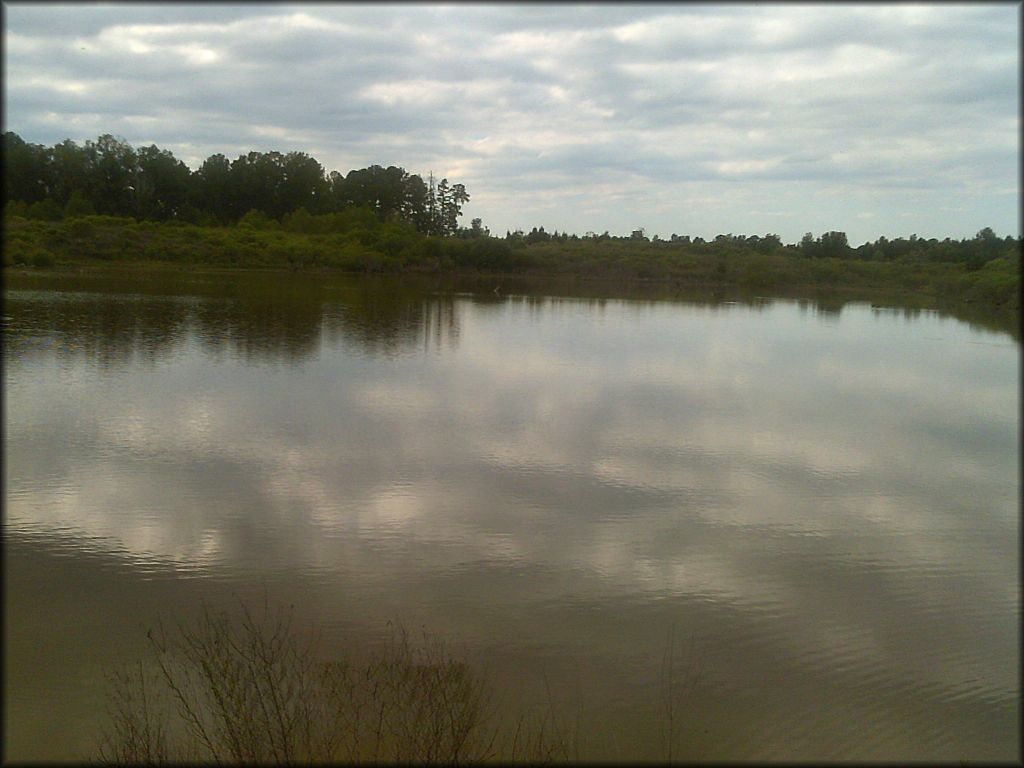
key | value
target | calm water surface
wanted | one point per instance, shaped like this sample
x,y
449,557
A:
x,y
817,505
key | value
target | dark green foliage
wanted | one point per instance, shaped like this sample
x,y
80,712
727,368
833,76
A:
x,y
212,189
273,210
256,219
24,169
112,169
45,210
161,184
16,208
109,176
69,172
80,228
78,205
674,269
42,260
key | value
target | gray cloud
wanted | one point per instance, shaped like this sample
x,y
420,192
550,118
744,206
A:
x,y
609,105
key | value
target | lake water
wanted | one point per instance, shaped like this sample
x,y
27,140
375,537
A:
x,y
816,504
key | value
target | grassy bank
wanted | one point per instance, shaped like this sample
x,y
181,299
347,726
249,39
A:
x,y
357,242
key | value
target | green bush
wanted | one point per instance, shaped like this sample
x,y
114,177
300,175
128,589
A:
x,y
827,270
759,271
56,238
354,218
16,208
45,210
78,205
492,254
255,219
81,228
42,260
303,222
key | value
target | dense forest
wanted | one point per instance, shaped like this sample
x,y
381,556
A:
x,y
109,177
107,201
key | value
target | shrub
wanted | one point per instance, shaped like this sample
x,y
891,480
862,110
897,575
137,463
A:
x,y
756,272
81,228
491,253
45,210
16,208
301,221
354,218
250,691
78,205
827,270
42,259
255,219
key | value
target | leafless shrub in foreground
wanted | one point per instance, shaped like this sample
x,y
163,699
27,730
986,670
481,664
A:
x,y
250,691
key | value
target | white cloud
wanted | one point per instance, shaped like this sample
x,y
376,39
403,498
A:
x,y
793,102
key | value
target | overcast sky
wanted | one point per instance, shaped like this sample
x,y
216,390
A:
x,y
696,119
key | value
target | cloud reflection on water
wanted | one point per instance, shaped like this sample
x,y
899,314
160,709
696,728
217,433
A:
x,y
808,478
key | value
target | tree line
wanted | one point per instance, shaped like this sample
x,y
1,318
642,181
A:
x,y
110,177
973,252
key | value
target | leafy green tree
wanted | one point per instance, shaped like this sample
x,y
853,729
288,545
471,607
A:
x,y
808,245
111,164
432,215
150,183
69,171
445,205
414,203
537,235
833,244
303,184
442,203
213,188
161,184
983,248
267,181
769,243
250,187
336,191
45,210
459,197
377,188
25,172
78,205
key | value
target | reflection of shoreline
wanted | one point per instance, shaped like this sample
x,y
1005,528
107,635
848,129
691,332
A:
x,y
330,286
269,317
258,321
